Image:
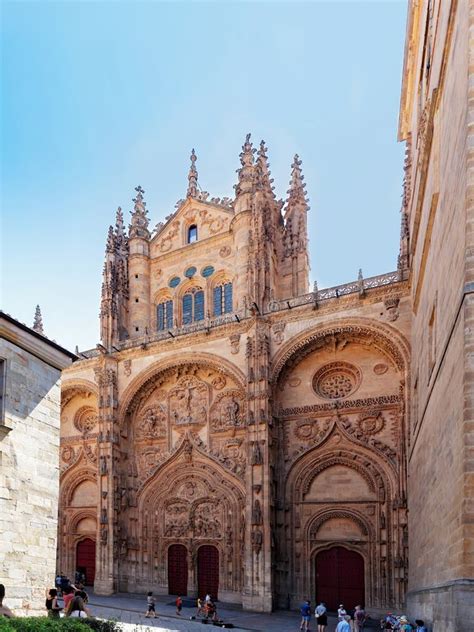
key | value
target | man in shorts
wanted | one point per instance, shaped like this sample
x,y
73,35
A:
x,y
305,611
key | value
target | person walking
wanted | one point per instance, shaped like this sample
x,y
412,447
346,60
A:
x,y
150,601
76,609
305,611
344,624
199,607
179,605
4,611
321,616
359,619
52,605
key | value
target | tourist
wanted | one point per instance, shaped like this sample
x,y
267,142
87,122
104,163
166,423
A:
x,y
179,605
150,601
77,609
359,618
4,611
68,596
341,612
85,599
211,610
420,625
52,605
207,598
405,625
305,610
199,607
57,581
321,616
344,624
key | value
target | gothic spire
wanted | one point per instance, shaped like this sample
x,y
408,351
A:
x,y
192,177
246,172
296,192
121,243
139,223
38,321
264,181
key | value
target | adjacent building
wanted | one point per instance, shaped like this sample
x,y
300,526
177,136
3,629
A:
x,y
30,377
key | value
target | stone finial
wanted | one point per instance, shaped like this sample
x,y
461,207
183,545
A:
x,y
110,246
246,172
315,287
360,281
121,244
296,192
192,177
139,223
264,181
38,321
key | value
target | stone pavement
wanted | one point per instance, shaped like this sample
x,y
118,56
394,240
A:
x,y
130,609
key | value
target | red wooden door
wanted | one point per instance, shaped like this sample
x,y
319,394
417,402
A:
x,y
85,559
208,571
178,570
340,578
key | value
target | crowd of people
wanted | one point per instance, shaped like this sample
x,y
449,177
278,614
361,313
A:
x,y
74,598
355,620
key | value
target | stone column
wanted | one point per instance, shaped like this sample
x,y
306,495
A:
x,y
106,577
258,567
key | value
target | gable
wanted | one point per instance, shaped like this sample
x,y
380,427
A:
x,y
210,220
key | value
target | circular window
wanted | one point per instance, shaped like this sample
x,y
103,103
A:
x,y
174,282
336,380
207,271
190,272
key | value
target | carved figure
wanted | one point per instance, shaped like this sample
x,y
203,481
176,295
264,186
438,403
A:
x,y
257,512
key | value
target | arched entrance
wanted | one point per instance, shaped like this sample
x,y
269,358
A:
x,y
177,570
85,559
340,578
208,571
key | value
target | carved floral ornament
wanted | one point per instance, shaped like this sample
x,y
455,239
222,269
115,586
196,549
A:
x,y
336,380
85,419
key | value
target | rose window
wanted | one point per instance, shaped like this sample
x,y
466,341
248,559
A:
x,y
336,380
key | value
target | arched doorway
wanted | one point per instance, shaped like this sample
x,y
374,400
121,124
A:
x,y
340,578
85,559
208,571
177,570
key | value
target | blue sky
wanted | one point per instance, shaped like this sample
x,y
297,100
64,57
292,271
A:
x,y
101,96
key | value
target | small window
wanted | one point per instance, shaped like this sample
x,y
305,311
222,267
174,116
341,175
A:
x,y
223,299
192,233
164,315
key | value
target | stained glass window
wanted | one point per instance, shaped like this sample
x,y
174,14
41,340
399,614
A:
x,y
222,299
192,234
207,271
190,272
165,315
193,306
174,282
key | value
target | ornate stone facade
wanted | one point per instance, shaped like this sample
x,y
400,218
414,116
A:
x,y
232,427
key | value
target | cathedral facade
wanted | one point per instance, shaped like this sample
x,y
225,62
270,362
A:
x,y
234,432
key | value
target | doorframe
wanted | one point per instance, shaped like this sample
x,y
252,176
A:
x,y
357,548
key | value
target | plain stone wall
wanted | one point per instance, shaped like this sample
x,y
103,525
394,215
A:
x,y
29,480
439,494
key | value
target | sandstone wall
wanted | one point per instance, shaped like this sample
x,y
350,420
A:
x,y
29,479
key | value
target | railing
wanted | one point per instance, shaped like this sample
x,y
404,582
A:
x,y
312,298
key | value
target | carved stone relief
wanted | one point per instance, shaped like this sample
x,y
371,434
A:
x,y
336,380
188,402
85,419
228,411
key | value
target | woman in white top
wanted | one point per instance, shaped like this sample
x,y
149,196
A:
x,y
341,612
76,608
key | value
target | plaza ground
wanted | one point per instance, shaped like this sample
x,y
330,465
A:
x,y
130,609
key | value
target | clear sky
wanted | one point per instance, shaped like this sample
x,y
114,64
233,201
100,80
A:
x,y
101,96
